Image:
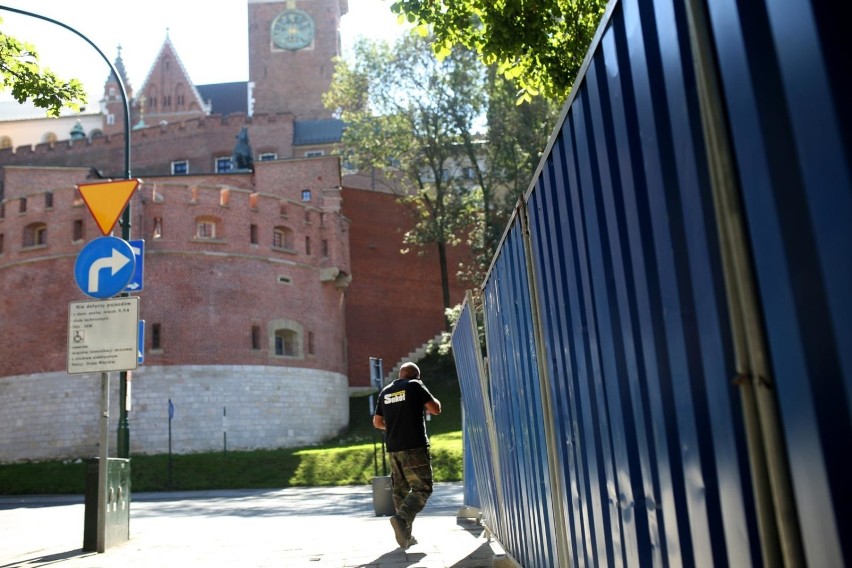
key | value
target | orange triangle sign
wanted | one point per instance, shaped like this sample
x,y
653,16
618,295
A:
x,y
107,200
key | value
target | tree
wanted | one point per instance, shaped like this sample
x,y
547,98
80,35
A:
x,y
412,117
537,44
27,80
515,141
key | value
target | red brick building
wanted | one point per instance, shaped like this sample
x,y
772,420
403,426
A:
x,y
266,290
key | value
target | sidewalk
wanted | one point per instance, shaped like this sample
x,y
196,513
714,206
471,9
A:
x,y
296,527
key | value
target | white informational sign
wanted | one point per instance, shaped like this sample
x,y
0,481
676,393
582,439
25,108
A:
x,y
103,335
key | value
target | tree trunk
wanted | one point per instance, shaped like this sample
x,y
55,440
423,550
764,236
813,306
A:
x,y
445,281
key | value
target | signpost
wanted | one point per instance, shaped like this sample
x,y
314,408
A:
x,y
104,335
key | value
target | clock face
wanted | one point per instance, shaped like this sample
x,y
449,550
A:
x,y
292,29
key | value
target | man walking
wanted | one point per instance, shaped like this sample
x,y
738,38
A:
x,y
400,413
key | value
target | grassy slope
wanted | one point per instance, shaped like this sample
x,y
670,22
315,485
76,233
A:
x,y
352,458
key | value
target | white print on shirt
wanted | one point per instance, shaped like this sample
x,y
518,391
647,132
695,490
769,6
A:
x,y
393,397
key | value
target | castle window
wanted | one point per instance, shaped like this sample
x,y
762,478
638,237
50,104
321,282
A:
x,y
306,195
267,156
205,229
1,243
48,200
158,227
180,167
308,245
253,234
285,338
325,248
314,153
255,337
22,205
167,101
152,102
282,238
35,234
224,165
286,342
283,210
77,232
110,119
2,210
156,336
310,343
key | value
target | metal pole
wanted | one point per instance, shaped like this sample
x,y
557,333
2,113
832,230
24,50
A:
x,y
171,415
123,448
102,463
778,523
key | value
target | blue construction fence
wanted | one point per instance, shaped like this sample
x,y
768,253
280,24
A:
x,y
657,370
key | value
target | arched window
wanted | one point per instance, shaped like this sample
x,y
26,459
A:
x,y
35,234
282,238
285,338
207,228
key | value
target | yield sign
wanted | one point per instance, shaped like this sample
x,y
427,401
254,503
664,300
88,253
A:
x,y
107,200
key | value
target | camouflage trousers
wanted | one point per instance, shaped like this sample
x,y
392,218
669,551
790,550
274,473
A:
x,y
411,474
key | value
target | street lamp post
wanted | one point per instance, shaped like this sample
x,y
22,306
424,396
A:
x,y
123,445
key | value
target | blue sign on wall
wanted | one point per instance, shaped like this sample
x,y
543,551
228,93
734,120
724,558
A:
x,y
140,352
137,281
104,267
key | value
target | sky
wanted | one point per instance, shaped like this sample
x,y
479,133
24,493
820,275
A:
x,y
211,37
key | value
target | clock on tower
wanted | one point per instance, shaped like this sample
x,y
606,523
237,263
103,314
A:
x,y
293,29
292,45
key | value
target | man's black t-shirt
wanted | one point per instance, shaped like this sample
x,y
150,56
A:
x,y
401,405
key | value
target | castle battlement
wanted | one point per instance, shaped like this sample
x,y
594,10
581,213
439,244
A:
x,y
206,126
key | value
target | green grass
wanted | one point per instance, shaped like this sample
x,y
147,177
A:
x,y
353,458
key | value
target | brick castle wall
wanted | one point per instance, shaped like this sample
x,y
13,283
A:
x,y
394,303
56,416
198,140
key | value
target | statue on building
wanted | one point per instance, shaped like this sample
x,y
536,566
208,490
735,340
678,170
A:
x,y
242,156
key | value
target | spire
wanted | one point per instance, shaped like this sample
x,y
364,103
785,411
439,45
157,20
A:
x,y
119,67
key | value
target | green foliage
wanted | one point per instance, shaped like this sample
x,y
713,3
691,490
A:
x,y
538,45
21,73
412,116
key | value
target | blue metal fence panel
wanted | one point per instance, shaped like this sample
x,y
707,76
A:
x,y
517,407
635,329
479,474
787,92
622,299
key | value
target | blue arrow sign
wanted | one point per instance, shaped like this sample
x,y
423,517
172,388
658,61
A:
x,y
104,267
137,281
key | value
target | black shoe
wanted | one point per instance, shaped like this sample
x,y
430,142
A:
x,y
400,530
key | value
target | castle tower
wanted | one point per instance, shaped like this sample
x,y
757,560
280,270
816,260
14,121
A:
x,y
112,103
292,45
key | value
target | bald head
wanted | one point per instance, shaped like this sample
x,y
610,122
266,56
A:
x,y
409,371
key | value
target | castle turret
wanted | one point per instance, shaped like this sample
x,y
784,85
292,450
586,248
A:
x,y
112,104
